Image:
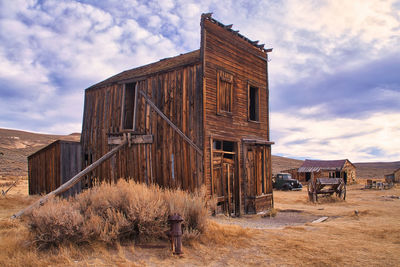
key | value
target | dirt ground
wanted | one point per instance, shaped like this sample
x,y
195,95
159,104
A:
x,y
364,230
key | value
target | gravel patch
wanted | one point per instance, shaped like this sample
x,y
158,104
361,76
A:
x,y
256,221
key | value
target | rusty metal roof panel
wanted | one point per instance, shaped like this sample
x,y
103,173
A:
x,y
309,169
317,165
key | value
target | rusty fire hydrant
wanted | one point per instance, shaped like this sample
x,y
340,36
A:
x,y
175,233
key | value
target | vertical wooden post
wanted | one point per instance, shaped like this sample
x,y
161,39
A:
x,y
245,175
211,166
223,183
228,180
239,180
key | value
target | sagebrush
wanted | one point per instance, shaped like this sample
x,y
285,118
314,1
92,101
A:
x,y
115,212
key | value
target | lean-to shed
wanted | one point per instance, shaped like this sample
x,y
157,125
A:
x,y
54,165
200,118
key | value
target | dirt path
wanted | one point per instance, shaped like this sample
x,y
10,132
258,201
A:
x,y
282,219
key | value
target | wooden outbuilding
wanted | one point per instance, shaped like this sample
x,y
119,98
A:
x,y
394,177
325,169
329,169
54,165
200,118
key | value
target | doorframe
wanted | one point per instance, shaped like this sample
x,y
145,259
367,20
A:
x,y
245,145
238,181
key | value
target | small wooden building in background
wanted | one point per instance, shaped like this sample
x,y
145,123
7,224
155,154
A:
x,y
325,169
394,177
54,165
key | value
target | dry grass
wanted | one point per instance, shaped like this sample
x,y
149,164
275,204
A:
x,y
370,238
118,212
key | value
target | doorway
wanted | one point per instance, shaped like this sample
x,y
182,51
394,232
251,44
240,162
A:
x,y
225,185
257,178
308,176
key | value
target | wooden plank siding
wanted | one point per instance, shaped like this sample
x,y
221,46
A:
x,y
225,52
52,166
168,161
185,89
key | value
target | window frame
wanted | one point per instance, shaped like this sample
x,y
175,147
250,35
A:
x,y
258,101
134,107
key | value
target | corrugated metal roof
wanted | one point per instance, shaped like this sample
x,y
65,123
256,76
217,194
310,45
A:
x,y
317,165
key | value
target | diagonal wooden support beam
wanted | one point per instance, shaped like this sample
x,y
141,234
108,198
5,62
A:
x,y
72,181
162,115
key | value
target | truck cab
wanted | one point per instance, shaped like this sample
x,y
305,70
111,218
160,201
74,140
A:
x,y
284,181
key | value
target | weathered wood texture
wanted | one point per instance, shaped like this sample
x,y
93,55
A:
x,y
227,55
54,165
185,89
347,172
169,161
397,176
73,181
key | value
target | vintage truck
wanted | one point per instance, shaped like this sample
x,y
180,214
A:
x,y
284,181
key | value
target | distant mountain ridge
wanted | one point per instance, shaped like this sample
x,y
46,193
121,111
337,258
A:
x,y
16,146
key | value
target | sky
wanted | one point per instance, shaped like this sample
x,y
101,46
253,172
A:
x,y
334,72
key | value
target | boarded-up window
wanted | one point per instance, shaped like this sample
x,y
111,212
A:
x,y
224,92
253,102
128,106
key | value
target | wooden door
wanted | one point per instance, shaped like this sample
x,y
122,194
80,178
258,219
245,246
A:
x,y
257,182
225,185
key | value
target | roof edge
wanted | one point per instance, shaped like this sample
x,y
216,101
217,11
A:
x,y
208,16
52,144
112,78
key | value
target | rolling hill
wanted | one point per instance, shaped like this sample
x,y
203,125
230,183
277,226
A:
x,y
16,146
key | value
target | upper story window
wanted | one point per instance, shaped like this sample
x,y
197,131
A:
x,y
128,107
253,102
224,92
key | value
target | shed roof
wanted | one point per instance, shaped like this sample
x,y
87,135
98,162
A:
x,y
317,165
53,144
156,67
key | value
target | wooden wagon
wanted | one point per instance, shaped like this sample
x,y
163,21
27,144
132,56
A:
x,y
326,186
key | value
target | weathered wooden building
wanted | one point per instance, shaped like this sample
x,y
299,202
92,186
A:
x,y
196,119
395,176
54,165
325,169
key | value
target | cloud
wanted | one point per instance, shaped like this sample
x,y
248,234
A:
x,y
368,139
53,50
334,62
352,93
